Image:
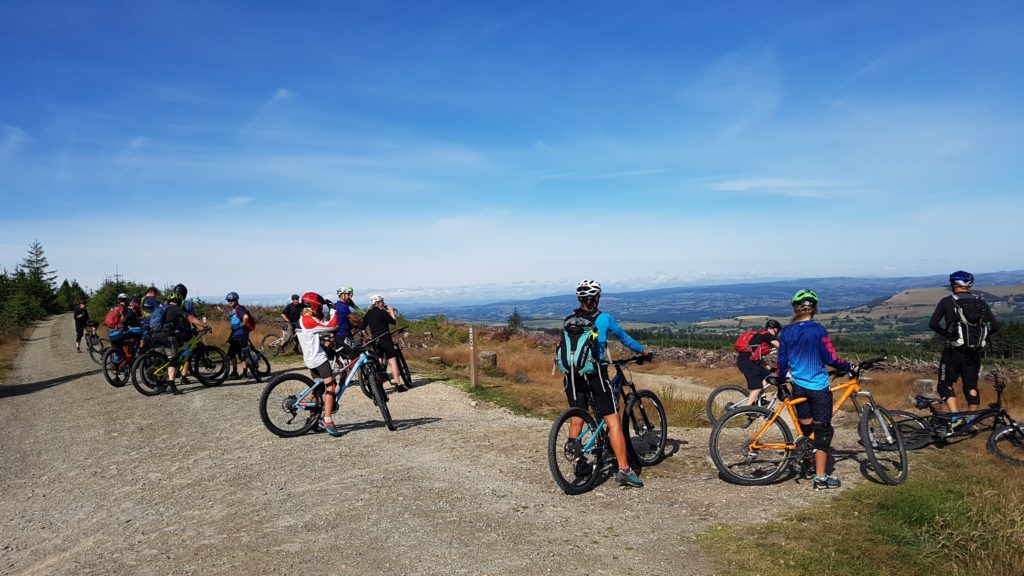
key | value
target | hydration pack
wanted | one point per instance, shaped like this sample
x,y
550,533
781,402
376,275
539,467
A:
x,y
742,344
577,352
156,318
114,318
249,325
970,330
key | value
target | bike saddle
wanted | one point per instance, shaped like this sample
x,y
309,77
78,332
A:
x,y
921,402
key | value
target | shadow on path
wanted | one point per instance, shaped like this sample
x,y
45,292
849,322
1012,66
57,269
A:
x,y
22,389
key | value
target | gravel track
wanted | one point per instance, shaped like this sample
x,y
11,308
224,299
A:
x,y
98,480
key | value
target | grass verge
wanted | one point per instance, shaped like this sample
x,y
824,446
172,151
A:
x,y
10,345
961,512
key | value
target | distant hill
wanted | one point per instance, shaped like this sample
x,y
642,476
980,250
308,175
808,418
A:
x,y
698,303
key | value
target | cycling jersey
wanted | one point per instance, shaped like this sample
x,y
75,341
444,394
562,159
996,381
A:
x,y
604,323
308,334
237,329
341,312
805,349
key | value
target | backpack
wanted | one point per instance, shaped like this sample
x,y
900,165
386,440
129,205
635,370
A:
x,y
970,330
240,313
742,344
577,352
114,318
156,318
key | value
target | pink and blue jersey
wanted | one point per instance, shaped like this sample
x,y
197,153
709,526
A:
x,y
805,349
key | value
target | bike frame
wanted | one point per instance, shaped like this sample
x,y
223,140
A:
x,y
352,368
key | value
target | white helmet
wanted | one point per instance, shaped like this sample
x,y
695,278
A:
x,y
344,290
588,288
374,298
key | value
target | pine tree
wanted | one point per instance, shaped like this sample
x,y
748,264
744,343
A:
x,y
514,323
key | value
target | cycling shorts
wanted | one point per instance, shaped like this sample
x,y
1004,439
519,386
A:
x,y
235,344
754,372
386,347
600,393
818,406
322,371
955,364
168,344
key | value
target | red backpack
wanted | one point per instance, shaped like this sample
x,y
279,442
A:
x,y
114,318
251,324
743,344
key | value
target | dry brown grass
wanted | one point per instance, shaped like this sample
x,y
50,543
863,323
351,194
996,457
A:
x,y
10,345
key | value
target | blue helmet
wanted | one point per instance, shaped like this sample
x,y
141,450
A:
x,y
962,279
232,297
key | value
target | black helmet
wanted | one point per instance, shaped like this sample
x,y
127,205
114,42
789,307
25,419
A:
x,y
181,290
773,323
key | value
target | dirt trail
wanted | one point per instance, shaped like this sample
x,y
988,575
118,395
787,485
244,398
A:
x,y
98,480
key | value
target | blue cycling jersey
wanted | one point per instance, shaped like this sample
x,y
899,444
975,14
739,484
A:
x,y
341,311
805,349
605,323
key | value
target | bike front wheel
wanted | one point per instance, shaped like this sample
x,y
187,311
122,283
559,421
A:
x,y
749,448
210,365
723,399
272,345
914,430
290,405
1007,443
115,367
380,398
149,373
95,346
883,445
403,367
575,463
646,426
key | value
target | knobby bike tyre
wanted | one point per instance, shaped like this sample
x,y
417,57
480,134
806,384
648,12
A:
x,y
737,449
380,398
149,373
723,399
403,367
886,453
575,466
646,427
96,349
364,378
1007,443
281,409
210,366
261,361
914,429
272,345
115,371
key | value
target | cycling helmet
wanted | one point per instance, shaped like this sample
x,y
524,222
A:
x,y
805,297
374,298
122,297
312,300
232,297
295,296
181,290
962,279
344,290
588,289
173,296
773,323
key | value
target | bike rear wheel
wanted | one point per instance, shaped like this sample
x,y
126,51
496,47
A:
x,y
723,399
284,412
149,373
575,464
403,368
272,345
380,398
210,366
747,450
646,426
116,369
914,429
1007,443
883,445
95,346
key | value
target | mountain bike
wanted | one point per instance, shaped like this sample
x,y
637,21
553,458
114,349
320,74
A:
x,y
403,367
117,361
209,365
93,342
725,398
255,360
1006,441
752,446
274,345
292,403
576,464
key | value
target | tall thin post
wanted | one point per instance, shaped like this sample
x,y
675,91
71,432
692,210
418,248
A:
x,y
472,358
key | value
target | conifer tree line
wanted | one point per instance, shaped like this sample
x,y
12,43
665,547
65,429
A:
x,y
30,292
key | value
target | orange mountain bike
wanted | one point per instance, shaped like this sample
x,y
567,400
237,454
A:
x,y
752,445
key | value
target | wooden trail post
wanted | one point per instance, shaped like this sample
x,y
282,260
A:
x,y
472,358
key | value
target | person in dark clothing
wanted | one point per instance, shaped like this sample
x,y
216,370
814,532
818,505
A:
x,y
291,314
964,321
128,327
752,362
377,319
81,321
175,329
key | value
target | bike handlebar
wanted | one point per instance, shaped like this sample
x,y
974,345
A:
x,y
638,359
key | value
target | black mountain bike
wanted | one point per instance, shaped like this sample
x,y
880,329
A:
x,y
576,464
1006,440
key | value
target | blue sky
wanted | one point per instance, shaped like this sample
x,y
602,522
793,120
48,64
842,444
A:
x,y
446,148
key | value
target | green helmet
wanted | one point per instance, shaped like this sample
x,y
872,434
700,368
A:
x,y
805,297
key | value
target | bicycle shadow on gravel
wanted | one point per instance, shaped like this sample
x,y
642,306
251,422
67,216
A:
x,y
373,424
22,389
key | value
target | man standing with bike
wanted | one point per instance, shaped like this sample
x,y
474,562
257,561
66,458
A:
x,y
81,320
241,323
377,319
173,326
344,310
964,321
597,325
291,314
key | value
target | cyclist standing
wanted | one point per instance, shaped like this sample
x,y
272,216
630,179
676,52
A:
x,y
377,319
964,321
149,304
588,292
189,308
175,328
344,310
311,326
751,361
81,320
804,350
239,338
291,314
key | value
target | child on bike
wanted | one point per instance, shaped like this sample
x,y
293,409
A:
x,y
751,360
311,326
804,350
239,338
588,292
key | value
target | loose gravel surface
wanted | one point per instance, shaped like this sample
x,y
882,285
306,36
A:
x,y
102,480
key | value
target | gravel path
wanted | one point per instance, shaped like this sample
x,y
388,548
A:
x,y
98,480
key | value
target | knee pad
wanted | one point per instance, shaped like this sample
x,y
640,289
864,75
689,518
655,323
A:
x,y
822,435
972,395
945,390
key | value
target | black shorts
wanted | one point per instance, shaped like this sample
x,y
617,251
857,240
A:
x,y
955,364
600,393
167,344
818,406
322,372
235,345
386,347
754,372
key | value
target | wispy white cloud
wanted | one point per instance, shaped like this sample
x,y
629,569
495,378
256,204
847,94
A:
x,y
236,201
777,186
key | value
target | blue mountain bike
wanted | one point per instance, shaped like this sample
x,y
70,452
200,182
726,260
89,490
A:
x,y
291,404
